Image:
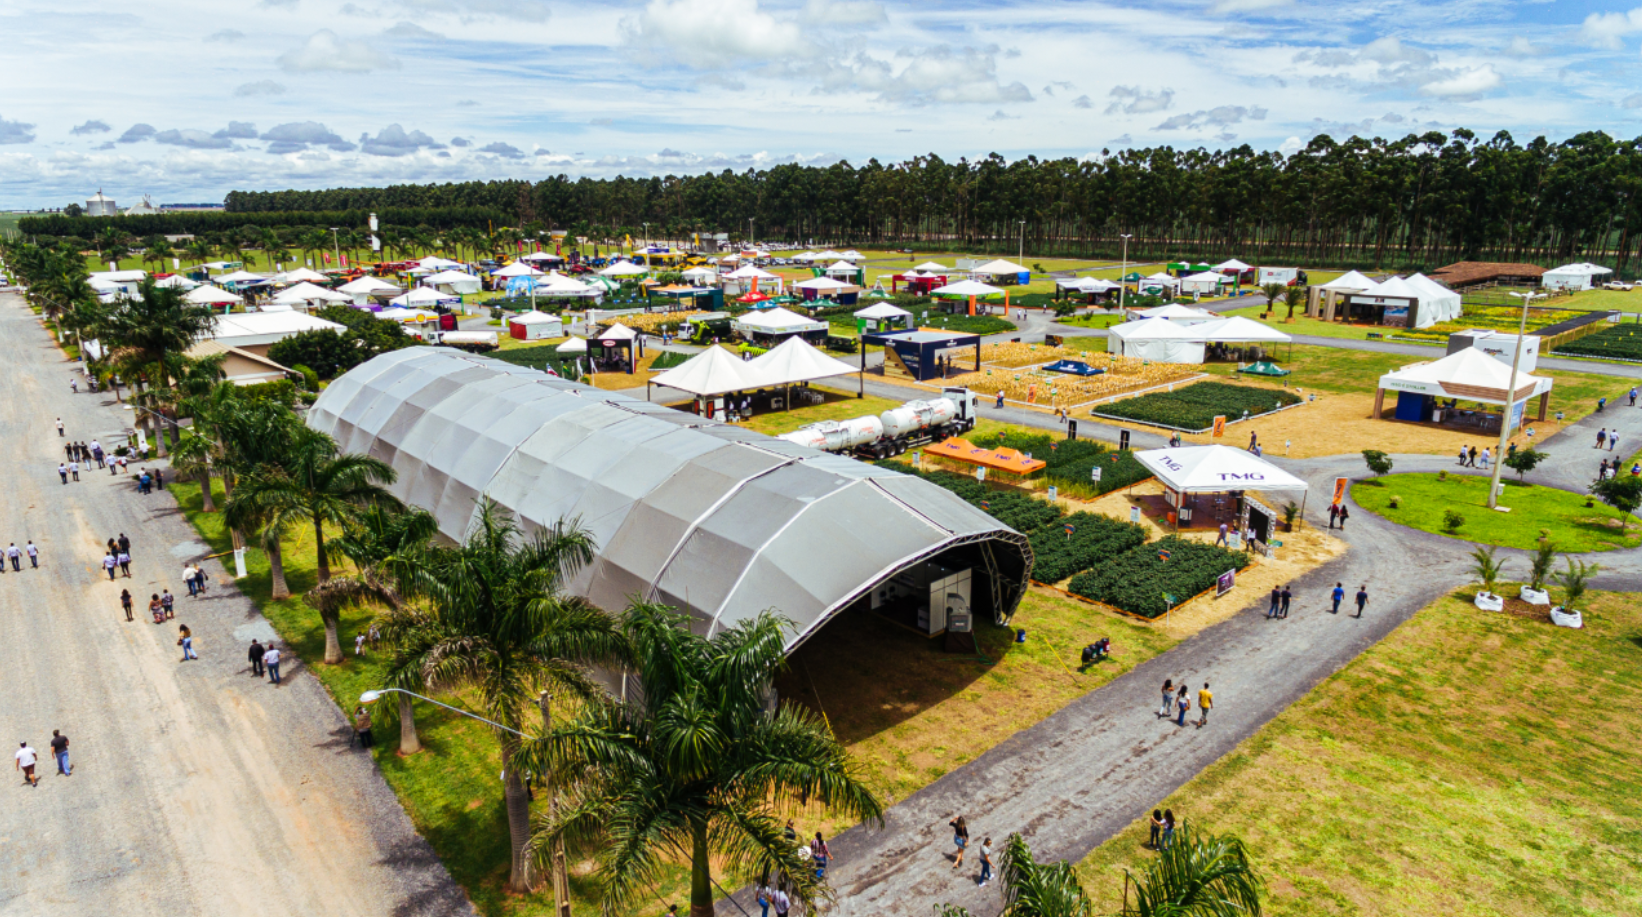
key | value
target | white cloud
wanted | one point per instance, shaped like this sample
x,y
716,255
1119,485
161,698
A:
x,y
226,36
1291,146
1223,116
394,140
844,12
15,132
325,51
1605,30
91,127
1224,7
238,130
460,142
1391,50
1474,81
938,74
137,133
504,150
1632,101
710,34
468,10
412,31
295,137
1132,100
193,139
1083,102
260,88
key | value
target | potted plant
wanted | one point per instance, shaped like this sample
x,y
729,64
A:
x,y
1535,593
1574,582
1486,568
1291,512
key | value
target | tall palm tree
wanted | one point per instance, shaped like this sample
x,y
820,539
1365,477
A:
x,y
1199,875
492,619
693,765
311,483
150,331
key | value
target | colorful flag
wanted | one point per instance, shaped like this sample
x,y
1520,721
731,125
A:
x,y
1162,553
1069,528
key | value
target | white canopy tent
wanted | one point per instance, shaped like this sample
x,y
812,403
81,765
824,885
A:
x,y
842,268
624,269
301,274
306,292
1238,330
1349,282
210,295
967,288
422,297
933,267
1409,302
751,273
1177,313
795,360
559,285
881,311
712,372
1441,303
540,256
1234,265
240,277
701,276
1573,276
1206,282
823,285
1155,339
176,280
456,283
1323,298
999,268
516,269
776,321
853,255
436,263
1214,469
536,326
574,345
1465,375
1159,281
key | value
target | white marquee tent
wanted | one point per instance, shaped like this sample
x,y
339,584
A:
x,y
306,292
712,372
1206,282
574,345
1579,276
210,295
1155,339
1238,330
1213,469
776,321
456,283
1179,314
301,274
1465,375
176,280
422,297
795,360
436,263
516,269
823,285
624,269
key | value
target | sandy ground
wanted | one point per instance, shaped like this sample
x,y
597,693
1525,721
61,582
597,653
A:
x,y
197,789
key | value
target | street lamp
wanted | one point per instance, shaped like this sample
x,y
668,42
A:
x,y
1122,282
1510,401
336,246
371,697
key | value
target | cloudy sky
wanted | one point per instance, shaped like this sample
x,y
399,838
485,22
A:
x,y
188,99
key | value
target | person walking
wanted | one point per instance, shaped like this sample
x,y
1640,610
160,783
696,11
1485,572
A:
x,y
1205,700
1339,595
1487,456
362,727
1602,470
1168,698
97,454
60,424
59,752
1601,437
1182,703
1362,598
960,838
169,603
359,644
986,861
1224,530
124,543
255,656
1157,829
74,471
1462,456
270,661
74,386
783,904
1168,828
1601,403
155,609
820,853
185,639
159,478
1288,596
109,563
1613,441
1000,398
764,895
1345,514
25,762
190,578
125,602
1333,514
62,472
1633,396
34,555
1276,601
15,555
125,564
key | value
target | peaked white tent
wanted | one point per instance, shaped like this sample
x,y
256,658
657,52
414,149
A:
x,y
1155,339
1215,469
436,263
456,283
422,297
999,268
1179,314
853,255
1572,276
240,277
574,345
306,292
751,273
1349,282
300,275
842,267
701,275
210,295
1417,303
516,269
560,285
967,288
795,360
1206,282
540,256
776,321
1465,375
883,310
1442,304
176,280
1238,330
364,286
535,326
933,267
1325,297
624,269
712,372
823,284
1234,266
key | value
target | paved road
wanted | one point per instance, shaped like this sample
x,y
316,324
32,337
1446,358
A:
x,y
197,789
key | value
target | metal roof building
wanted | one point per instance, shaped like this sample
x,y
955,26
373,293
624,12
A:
x,y
718,521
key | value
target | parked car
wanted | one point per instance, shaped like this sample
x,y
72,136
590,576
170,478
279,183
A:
x,y
1619,285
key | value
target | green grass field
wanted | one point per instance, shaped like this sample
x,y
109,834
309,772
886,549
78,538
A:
x,y
1574,527
1592,300
1472,764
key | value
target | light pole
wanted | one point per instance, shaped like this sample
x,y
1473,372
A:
x,y
1020,253
1122,277
750,232
371,697
336,246
1510,402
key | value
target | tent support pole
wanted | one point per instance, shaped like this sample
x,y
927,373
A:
x,y
646,390
1301,519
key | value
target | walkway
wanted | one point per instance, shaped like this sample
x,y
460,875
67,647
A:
x,y
197,789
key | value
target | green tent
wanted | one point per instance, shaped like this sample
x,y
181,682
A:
x,y
1133,277
1264,368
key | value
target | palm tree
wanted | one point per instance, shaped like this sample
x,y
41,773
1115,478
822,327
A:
x,y
693,764
1272,291
310,482
1486,568
147,333
1575,581
1196,876
493,620
199,247
1293,297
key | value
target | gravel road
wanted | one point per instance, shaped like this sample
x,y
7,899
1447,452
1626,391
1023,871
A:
x,y
197,789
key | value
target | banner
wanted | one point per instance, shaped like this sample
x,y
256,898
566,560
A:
x,y
1220,426
1340,485
1225,582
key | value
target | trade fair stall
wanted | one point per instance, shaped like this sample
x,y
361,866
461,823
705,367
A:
x,y
761,384
1207,283
1433,392
1323,299
1239,272
1177,313
847,272
424,298
1581,276
1159,284
535,326
924,355
516,269
301,275
1155,339
176,280
1001,271
456,283
208,295
769,327
882,317
363,289
845,294
1210,486
606,350
1399,302
970,290
308,295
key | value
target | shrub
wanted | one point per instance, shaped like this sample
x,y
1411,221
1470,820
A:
x,y
1523,461
1396,501
1018,511
1137,580
1069,461
310,379
282,391
543,357
1451,521
1622,492
1378,462
1196,406
1095,539
1618,342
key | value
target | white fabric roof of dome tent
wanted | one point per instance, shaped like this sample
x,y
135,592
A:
x,y
778,320
533,317
1350,282
129,276
1233,265
1211,469
210,294
1445,303
967,288
882,310
1469,375
436,263
301,274
616,332
1238,330
516,269
240,277
308,292
574,345
842,267
717,521
367,284
1156,339
701,273
540,256
795,360
712,372
751,273
853,255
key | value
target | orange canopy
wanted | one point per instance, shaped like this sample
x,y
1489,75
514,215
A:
x,y
1010,460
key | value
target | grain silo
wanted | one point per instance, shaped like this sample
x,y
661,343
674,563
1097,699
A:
x,y
99,206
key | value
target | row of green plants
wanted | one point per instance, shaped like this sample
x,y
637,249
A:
x,y
1093,539
1195,407
543,357
1069,463
1019,511
1620,342
1145,582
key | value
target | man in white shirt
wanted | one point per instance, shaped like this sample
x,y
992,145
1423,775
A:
x,y
34,554
25,763
270,661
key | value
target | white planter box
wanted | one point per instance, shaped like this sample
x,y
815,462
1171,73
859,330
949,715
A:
x,y
1566,618
1535,596
1488,601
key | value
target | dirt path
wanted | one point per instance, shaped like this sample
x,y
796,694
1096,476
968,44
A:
x,y
197,789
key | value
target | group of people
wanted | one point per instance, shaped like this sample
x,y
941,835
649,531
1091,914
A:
x,y
1162,829
1604,438
27,757
13,555
1606,468
118,556
1283,596
1176,703
1337,512
265,659
772,890
1469,457
960,839
161,605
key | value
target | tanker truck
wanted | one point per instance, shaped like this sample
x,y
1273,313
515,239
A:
x,y
893,432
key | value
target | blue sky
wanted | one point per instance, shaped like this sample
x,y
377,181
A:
x,y
187,99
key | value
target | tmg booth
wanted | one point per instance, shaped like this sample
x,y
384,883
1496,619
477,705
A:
x,y
1433,392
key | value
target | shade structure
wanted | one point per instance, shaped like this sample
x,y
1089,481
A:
x,y
176,280
842,267
883,310
534,325
701,275
777,321
210,295
1349,282
574,345
308,292
455,282
516,269
1233,265
131,276
260,329
1468,375
436,263
751,273
714,371
1086,284
367,285
999,267
240,277
1211,469
423,297
300,275
1578,276
560,285
540,256
853,255
717,521
624,269
1237,330
1179,314
1155,339
1000,458
1418,301
616,332
795,360
966,288
823,285
1206,282
933,267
